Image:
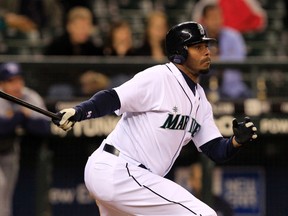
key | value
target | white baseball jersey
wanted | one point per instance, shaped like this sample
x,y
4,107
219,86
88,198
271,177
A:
x,y
161,114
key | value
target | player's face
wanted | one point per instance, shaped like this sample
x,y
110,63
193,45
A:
x,y
198,60
13,86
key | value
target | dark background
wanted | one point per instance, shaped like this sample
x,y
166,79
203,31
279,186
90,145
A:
x,y
58,162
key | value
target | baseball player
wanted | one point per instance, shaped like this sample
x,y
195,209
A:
x,y
163,108
14,120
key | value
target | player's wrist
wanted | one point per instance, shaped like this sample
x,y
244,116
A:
x,y
78,114
235,143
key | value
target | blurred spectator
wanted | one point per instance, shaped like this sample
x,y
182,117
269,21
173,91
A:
x,y
11,17
87,85
77,39
14,121
119,43
120,40
195,183
230,46
92,82
156,29
242,15
29,20
68,5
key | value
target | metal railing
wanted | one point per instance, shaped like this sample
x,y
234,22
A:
x,y
43,71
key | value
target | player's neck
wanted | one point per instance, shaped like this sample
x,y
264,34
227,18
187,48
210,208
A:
x,y
194,76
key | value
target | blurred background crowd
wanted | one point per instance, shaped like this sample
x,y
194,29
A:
x,y
28,26
126,28
110,41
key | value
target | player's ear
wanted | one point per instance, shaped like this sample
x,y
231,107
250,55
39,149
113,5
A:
x,y
181,55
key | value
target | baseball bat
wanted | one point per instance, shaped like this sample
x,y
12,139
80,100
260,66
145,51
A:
x,y
28,105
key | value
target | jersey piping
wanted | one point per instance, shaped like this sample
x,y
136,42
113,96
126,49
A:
x,y
191,107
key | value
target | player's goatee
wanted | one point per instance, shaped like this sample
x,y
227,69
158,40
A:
x,y
204,71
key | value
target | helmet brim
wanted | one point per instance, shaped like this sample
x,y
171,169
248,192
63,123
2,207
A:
x,y
206,40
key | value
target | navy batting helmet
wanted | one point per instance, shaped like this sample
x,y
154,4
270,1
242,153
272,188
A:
x,y
9,70
182,35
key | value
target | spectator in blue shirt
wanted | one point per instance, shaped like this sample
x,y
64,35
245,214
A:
x,y
230,46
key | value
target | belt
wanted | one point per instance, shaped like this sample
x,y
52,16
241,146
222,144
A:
x,y
112,150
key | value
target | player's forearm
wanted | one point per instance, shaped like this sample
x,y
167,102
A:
x,y
102,103
220,149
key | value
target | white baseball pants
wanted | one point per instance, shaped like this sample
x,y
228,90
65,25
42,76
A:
x,y
121,188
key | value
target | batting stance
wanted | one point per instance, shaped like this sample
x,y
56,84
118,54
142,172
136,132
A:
x,y
162,108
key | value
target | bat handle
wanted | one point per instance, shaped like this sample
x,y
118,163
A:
x,y
29,106
55,116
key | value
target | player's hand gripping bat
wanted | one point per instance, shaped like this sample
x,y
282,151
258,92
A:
x,y
29,106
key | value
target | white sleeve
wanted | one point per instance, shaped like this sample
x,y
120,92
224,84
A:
x,y
141,93
209,129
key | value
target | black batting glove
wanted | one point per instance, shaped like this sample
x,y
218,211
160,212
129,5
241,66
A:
x,y
244,132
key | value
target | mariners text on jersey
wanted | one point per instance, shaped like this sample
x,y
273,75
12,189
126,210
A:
x,y
180,122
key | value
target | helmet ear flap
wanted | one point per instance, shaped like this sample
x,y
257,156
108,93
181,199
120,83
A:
x,y
181,56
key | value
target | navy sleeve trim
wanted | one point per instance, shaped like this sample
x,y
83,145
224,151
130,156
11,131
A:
x,y
102,103
220,149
